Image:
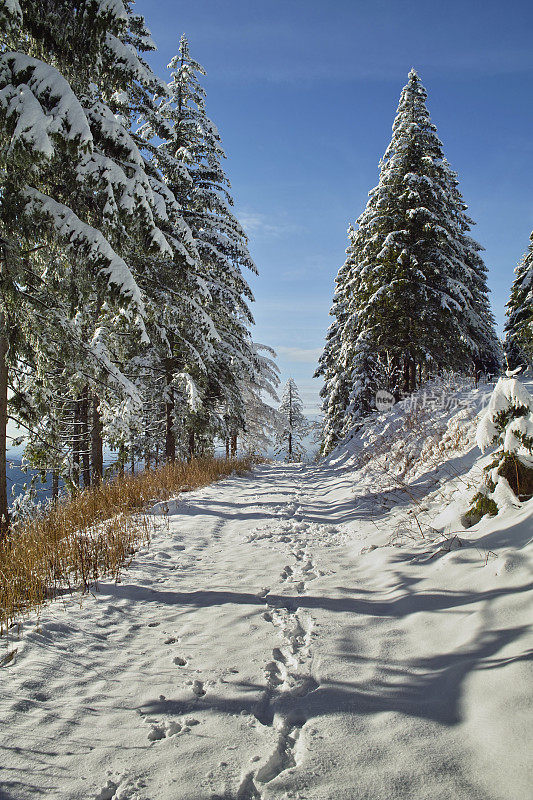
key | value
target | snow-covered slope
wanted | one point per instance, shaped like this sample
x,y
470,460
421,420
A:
x,y
322,633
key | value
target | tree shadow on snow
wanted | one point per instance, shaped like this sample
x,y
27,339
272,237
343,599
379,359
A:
x,y
428,688
397,607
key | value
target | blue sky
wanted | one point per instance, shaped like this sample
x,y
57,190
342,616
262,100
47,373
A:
x,y
304,95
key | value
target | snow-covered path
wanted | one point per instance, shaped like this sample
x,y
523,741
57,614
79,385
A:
x,y
253,651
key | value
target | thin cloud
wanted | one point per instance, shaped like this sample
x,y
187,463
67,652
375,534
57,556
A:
x,y
300,354
258,225
302,72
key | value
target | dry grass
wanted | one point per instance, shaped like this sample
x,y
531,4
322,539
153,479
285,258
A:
x,y
93,534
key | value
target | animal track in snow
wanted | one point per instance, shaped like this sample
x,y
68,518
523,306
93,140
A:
x,y
108,791
286,572
287,686
161,731
122,788
273,674
179,661
247,789
198,688
157,732
283,756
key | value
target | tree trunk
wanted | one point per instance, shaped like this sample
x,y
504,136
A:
x,y
76,442
170,439
234,445
407,375
97,445
290,446
4,506
192,445
227,447
55,486
84,443
121,458
132,461
412,380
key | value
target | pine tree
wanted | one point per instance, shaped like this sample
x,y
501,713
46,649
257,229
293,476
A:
x,y
73,181
519,327
333,365
190,157
293,425
261,420
413,290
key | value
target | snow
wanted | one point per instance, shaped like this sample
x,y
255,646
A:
x,y
42,103
11,13
113,8
190,390
82,237
126,55
288,634
509,392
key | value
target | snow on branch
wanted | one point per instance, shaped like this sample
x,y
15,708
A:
x,y
109,126
10,14
508,393
42,104
190,389
125,56
83,239
111,8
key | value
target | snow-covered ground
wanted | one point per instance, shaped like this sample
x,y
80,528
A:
x,y
290,634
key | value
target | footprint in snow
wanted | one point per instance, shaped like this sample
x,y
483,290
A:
x,y
179,661
273,674
158,732
107,792
286,572
198,688
277,655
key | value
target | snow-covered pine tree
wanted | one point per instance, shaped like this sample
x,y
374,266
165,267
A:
x,y
333,365
423,297
261,420
418,292
293,425
519,327
190,157
73,175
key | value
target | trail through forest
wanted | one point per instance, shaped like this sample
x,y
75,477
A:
x,y
273,643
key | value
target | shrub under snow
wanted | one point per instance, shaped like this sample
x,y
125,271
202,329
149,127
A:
x,y
507,422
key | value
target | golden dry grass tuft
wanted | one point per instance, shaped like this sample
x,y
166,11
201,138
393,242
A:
x,y
93,534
